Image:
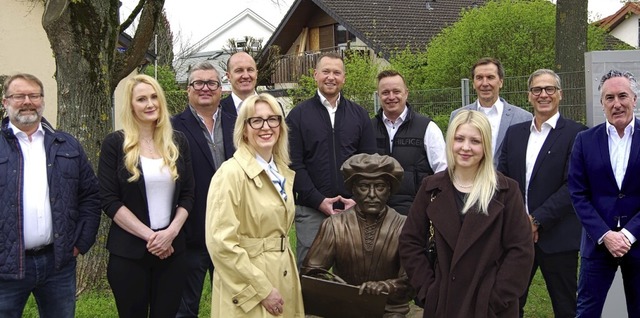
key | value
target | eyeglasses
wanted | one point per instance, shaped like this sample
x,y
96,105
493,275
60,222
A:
x,y
258,122
198,85
550,90
22,97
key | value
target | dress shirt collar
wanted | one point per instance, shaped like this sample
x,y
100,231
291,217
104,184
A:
x,y
498,107
401,119
627,130
325,101
22,135
551,122
237,102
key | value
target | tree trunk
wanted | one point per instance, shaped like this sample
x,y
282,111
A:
x,y
83,37
571,35
571,44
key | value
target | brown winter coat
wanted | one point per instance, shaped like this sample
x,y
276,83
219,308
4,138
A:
x,y
483,264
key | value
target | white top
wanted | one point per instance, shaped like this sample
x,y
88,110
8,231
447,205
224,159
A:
x,y
330,108
536,140
433,140
38,224
159,188
619,149
494,114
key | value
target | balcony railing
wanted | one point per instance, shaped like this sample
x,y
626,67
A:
x,y
291,67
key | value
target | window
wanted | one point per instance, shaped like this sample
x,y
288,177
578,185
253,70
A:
x,y
342,36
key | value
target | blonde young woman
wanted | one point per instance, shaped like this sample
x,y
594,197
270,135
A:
x,y
146,185
481,230
250,211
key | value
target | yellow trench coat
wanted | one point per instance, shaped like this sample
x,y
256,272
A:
x,y
247,226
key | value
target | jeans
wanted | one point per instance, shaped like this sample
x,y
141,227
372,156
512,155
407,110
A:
x,y
54,291
198,262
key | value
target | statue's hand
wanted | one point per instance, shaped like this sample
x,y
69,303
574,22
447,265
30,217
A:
x,y
375,288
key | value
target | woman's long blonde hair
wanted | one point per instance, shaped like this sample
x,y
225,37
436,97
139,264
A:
x,y
248,109
162,136
485,183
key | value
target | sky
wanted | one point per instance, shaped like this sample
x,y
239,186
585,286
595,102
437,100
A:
x,y
192,20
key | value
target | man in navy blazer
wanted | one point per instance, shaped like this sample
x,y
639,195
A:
x,y
536,154
604,187
210,134
242,72
488,75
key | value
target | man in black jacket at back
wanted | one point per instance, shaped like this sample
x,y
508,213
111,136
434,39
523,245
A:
x,y
325,130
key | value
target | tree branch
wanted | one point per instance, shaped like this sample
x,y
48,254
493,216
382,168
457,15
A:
x,y
125,25
53,10
135,53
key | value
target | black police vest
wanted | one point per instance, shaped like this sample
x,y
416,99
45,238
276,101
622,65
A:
x,y
408,149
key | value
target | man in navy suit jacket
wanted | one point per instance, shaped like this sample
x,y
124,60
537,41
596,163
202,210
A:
x,y
210,134
487,75
604,187
242,72
536,154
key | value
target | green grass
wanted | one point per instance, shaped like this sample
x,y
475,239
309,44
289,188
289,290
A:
x,y
538,303
100,304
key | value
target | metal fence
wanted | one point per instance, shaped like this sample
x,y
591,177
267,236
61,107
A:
x,y
442,101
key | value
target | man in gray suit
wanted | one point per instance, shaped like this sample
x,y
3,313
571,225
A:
x,y
488,75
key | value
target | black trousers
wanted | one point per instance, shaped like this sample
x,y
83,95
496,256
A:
x,y
560,272
198,262
147,287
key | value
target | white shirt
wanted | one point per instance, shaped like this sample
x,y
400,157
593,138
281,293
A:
x,y
237,101
619,149
433,140
330,108
159,187
536,140
494,114
38,224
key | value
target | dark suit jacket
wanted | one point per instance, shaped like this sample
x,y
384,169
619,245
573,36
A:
x,y
549,201
228,116
596,197
116,191
511,115
203,167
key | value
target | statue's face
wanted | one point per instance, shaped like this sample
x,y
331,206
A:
x,y
371,194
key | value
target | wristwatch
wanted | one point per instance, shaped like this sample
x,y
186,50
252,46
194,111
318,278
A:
x,y
535,222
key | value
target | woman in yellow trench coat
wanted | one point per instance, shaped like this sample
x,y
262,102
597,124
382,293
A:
x,y
250,210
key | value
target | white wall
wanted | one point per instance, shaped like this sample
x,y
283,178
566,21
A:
x,y
597,63
26,49
627,30
246,26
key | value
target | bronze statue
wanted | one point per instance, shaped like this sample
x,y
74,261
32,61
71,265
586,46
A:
x,y
361,244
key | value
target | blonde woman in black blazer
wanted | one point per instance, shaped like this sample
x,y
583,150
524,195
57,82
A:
x,y
147,190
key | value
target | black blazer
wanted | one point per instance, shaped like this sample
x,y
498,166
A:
x,y
229,115
549,200
203,168
116,191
